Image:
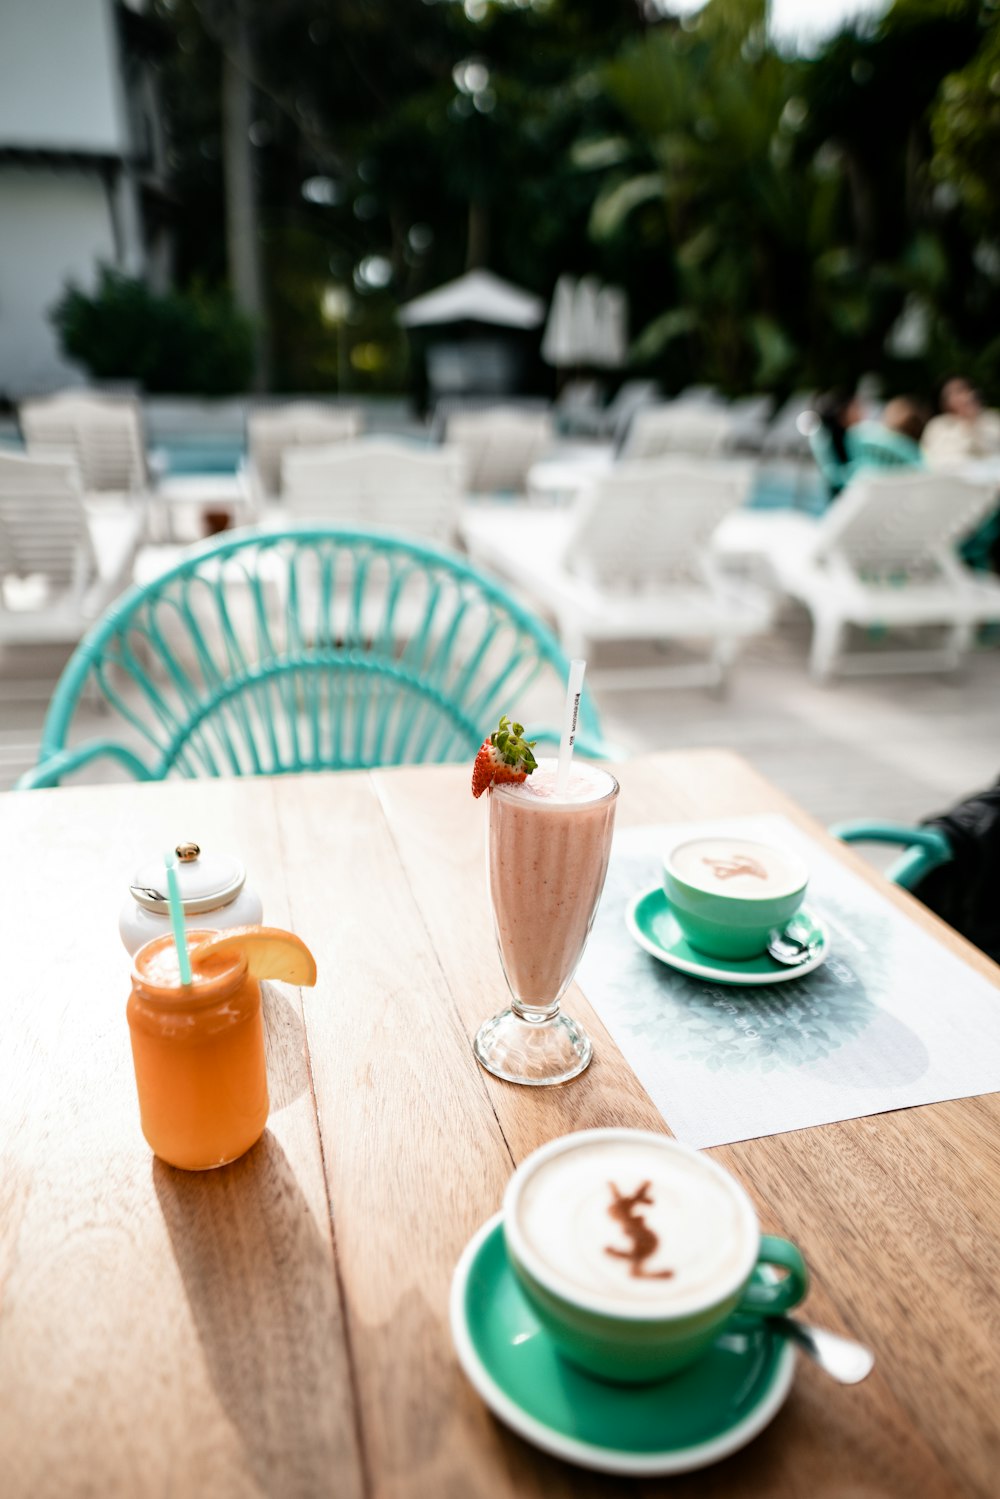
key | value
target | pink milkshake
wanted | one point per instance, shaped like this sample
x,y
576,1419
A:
x,y
548,857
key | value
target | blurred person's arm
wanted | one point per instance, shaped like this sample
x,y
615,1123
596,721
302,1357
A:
x,y
988,434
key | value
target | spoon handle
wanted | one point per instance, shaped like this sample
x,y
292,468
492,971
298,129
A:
x,y
843,1359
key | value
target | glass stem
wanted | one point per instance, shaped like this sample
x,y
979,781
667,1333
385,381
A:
x,y
535,1014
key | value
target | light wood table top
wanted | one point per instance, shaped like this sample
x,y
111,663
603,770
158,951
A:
x,y
280,1327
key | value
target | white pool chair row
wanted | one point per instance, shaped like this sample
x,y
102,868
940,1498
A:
x,y
381,483
631,561
883,557
102,434
276,430
62,559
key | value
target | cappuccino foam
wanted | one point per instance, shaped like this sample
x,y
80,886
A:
x,y
637,1225
736,866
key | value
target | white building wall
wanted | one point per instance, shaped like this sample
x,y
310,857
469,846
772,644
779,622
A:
x,y
58,77
55,226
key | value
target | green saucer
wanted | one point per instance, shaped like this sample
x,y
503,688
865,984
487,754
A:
x,y
698,1416
653,925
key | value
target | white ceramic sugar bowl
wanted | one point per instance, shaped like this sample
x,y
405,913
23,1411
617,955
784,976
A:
x,y
213,889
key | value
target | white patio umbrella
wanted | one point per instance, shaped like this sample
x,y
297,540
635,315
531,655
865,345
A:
x,y
612,328
586,320
558,342
587,325
477,297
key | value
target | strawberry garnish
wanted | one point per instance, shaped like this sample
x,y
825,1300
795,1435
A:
x,y
505,756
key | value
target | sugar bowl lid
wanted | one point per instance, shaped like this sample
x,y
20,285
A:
x,y
206,881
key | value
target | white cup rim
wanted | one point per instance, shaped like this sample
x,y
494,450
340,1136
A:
x,y
604,1306
746,897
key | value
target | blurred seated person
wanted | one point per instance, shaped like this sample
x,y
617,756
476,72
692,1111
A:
x,y
965,429
835,414
891,442
906,416
844,443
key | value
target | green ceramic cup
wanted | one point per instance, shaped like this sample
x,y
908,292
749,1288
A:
x,y
733,925
649,1342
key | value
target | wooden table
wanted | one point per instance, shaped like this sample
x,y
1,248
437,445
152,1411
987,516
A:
x,y
280,1327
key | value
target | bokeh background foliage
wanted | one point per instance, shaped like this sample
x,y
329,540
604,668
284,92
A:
x,y
778,220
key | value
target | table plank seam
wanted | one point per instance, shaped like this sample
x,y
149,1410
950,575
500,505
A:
x,y
363,1458
453,1004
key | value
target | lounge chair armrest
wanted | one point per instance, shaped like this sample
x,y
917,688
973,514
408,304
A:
x,y
926,848
49,772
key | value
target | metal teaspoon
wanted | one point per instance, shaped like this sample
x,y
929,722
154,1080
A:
x,y
842,1358
785,947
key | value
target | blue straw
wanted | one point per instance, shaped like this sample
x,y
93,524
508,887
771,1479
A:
x,y
177,919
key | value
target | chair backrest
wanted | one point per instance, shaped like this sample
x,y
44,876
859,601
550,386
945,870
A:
x,y
378,484
43,525
679,427
273,430
498,447
749,417
647,523
103,434
309,649
579,395
900,522
787,436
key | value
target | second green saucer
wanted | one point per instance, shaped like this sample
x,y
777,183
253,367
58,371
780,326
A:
x,y
653,925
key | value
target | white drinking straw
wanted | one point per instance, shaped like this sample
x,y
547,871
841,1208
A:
x,y
574,690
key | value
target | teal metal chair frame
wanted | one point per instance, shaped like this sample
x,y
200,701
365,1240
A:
x,y
306,649
925,848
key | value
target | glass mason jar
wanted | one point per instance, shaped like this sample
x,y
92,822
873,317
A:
x,y
198,1051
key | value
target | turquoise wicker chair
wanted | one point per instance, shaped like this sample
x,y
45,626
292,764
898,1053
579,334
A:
x,y
924,848
304,650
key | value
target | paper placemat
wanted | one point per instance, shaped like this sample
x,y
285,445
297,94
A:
x,y
890,1020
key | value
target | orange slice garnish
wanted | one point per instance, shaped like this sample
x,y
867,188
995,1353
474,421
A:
x,y
271,953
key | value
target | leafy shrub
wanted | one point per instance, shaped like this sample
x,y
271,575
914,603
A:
x,y
193,342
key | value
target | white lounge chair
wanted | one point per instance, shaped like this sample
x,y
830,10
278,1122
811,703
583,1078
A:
x,y
61,561
630,560
378,483
102,434
499,446
882,556
680,427
784,437
748,422
272,431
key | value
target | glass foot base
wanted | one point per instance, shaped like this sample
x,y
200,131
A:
x,y
534,1053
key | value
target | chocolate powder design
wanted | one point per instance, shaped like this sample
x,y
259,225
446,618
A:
x,y
725,869
644,1241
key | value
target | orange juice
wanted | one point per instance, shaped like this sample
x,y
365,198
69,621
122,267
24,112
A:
x,y
198,1052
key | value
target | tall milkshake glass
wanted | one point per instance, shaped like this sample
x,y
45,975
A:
x,y
547,859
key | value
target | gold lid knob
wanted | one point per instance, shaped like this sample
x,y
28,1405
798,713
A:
x,y
187,852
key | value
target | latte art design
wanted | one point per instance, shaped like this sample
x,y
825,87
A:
x,y
727,869
737,867
644,1242
636,1222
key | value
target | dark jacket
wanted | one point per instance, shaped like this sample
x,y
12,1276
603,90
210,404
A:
x,y
966,891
